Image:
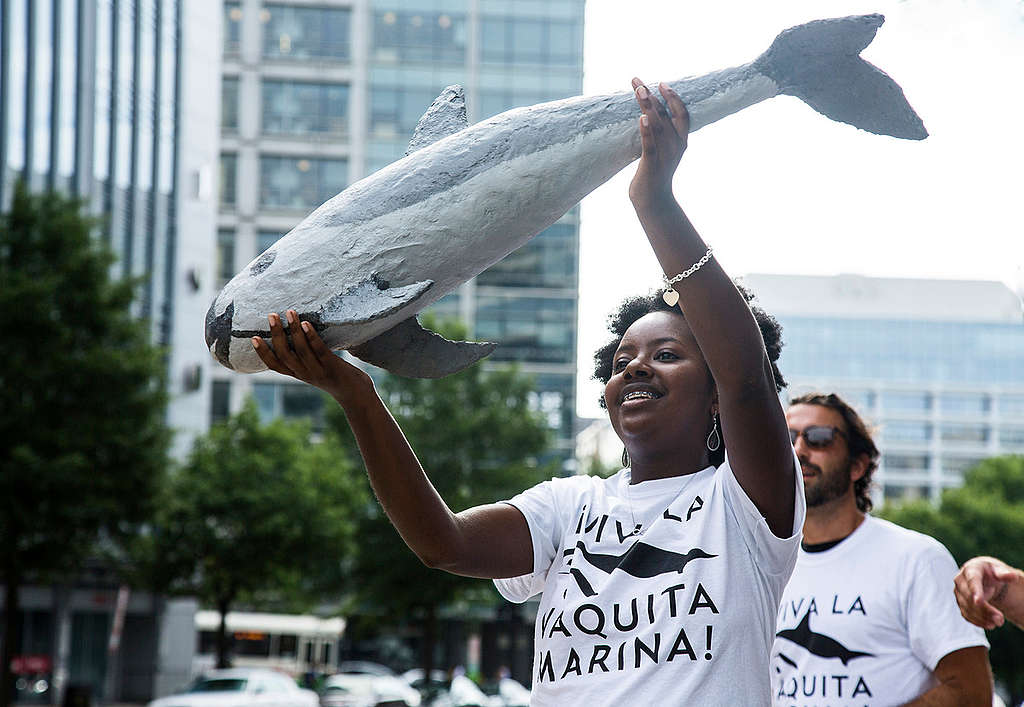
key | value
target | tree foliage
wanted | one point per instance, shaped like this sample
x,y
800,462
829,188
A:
x,y
478,440
259,513
983,517
82,399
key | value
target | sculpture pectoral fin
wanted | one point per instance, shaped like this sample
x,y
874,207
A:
x,y
372,299
409,350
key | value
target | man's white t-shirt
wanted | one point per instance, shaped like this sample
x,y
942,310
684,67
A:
x,y
864,623
682,613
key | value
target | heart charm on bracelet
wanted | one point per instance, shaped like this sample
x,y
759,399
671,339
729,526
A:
x,y
670,296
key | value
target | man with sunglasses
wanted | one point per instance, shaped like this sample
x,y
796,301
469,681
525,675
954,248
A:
x,y
868,617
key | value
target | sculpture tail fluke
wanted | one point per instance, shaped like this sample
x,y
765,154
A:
x,y
819,63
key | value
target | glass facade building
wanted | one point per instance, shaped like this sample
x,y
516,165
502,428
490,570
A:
x,y
103,99
318,95
941,378
110,101
88,99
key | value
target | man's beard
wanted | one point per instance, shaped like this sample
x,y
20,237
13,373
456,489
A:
x,y
830,486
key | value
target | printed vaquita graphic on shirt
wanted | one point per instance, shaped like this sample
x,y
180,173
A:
x,y
584,634
829,684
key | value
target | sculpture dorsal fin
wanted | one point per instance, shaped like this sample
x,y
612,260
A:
x,y
407,349
445,116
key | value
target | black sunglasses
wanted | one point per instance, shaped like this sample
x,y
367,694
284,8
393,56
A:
x,y
817,436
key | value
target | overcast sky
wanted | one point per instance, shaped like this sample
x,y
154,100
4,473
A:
x,y
779,188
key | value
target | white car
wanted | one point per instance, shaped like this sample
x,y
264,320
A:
x,y
241,687
367,690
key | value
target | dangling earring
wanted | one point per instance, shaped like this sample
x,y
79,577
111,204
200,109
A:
x,y
625,458
714,439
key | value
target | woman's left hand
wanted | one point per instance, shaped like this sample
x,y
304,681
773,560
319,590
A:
x,y
663,133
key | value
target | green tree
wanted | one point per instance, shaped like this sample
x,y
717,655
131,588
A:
x,y
478,439
260,514
83,403
983,517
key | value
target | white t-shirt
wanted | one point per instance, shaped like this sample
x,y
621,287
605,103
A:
x,y
864,623
682,613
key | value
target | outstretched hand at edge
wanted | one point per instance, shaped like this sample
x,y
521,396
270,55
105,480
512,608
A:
x,y
989,591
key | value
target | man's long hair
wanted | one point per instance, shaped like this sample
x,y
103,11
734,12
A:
x,y
859,440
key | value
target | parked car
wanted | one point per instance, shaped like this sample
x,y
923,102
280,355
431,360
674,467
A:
x,y
241,687
368,690
364,667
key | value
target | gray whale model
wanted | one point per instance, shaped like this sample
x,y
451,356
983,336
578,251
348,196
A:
x,y
364,263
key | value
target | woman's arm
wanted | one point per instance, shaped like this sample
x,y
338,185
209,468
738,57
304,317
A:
x,y
753,422
486,541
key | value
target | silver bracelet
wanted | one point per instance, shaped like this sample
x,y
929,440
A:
x,y
670,296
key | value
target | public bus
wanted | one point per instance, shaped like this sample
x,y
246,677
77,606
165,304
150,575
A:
x,y
293,644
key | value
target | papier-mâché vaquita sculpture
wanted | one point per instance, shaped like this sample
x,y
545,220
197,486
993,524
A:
x,y
363,264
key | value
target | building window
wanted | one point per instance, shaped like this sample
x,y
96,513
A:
x,y
403,37
964,403
16,33
300,182
66,119
1012,436
290,401
549,260
902,494
232,28
906,401
299,108
225,256
41,46
510,40
220,400
965,434
229,103
529,328
861,400
394,112
956,467
265,239
1012,405
306,32
907,431
906,462
228,179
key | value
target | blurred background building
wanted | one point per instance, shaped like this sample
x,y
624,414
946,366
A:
x,y
115,101
320,94
934,365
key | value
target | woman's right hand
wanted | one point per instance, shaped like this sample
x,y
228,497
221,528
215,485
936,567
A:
x,y
664,130
309,360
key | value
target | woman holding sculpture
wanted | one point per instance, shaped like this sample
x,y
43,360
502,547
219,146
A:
x,y
661,582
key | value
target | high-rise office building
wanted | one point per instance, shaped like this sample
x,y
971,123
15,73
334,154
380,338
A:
x,y
936,365
320,94
112,101
115,101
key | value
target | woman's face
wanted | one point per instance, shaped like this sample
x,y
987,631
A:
x,y
661,390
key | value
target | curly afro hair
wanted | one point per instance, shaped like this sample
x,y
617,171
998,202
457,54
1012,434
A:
x,y
635,307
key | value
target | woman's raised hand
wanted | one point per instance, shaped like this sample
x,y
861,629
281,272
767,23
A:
x,y
663,133
308,359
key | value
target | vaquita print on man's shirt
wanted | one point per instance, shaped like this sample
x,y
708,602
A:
x,y
834,678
